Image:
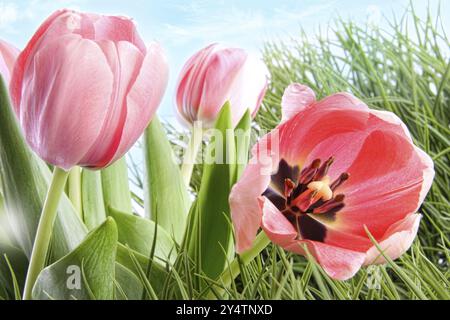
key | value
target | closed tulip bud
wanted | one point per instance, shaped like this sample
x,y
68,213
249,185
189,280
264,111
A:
x,y
215,75
86,87
8,55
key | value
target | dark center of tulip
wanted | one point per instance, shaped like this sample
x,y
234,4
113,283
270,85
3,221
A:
x,y
303,196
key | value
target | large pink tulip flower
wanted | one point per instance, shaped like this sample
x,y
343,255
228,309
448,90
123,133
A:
x,y
215,75
8,56
341,171
86,87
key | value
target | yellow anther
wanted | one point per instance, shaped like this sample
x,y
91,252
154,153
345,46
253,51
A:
x,y
322,188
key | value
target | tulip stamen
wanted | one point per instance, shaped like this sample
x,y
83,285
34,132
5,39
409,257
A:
x,y
309,194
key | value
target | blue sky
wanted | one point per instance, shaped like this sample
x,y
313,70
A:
x,y
183,27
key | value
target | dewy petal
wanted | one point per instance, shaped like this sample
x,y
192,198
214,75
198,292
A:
x,y
338,263
222,71
144,97
67,74
397,240
296,98
244,203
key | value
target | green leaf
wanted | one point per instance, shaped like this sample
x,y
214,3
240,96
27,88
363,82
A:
x,y
84,274
242,135
166,198
158,274
25,180
210,238
116,188
138,234
128,285
94,212
19,264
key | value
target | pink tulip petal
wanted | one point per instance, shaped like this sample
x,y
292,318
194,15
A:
x,y
309,128
187,105
296,98
279,230
116,29
384,186
223,68
428,174
340,113
57,80
8,56
338,263
248,88
22,60
397,240
125,61
244,203
144,97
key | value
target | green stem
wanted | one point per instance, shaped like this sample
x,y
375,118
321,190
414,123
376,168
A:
x,y
190,155
44,230
75,189
233,270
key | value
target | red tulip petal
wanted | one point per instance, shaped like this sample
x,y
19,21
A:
x,y
295,99
144,97
58,85
245,208
396,241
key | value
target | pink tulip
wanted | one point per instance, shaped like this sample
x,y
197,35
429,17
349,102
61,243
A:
x,y
341,170
8,56
86,87
215,75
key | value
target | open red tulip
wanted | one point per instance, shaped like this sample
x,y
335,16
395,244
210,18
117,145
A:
x,y
85,88
340,170
215,75
8,56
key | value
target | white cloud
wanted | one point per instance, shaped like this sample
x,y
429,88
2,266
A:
x,y
8,14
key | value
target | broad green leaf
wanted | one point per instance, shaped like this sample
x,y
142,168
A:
x,y
94,212
210,236
166,198
138,234
87,273
25,180
116,188
242,136
127,284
